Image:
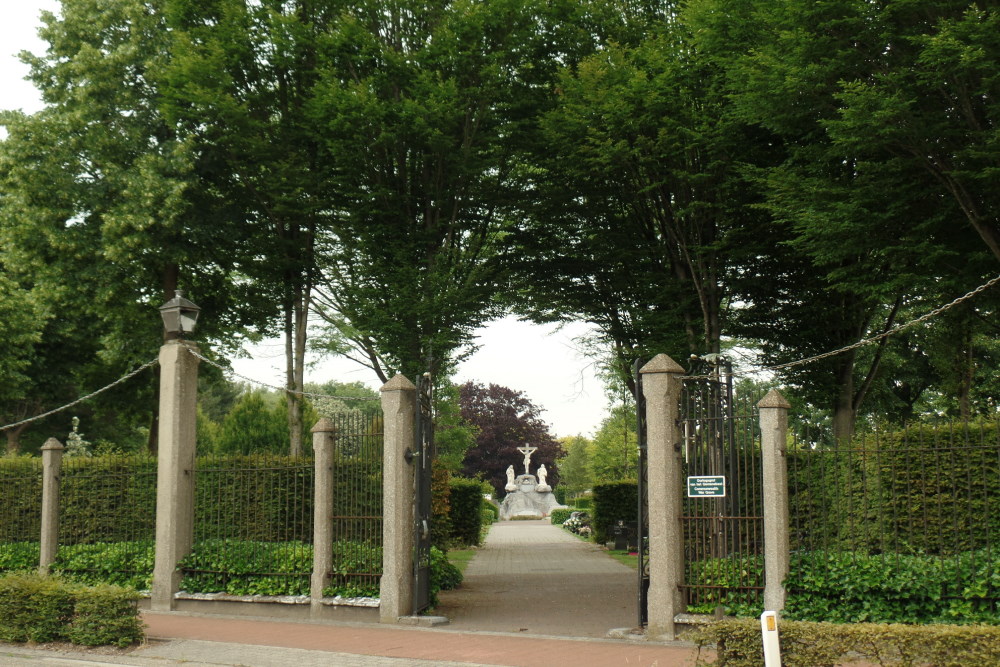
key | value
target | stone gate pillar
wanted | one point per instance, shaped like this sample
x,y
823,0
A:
x,y
661,386
773,434
396,586
174,468
52,455
324,441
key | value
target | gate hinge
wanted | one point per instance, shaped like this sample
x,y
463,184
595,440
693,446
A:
x,y
409,455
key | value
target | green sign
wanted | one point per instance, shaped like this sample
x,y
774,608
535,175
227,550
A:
x,y
707,487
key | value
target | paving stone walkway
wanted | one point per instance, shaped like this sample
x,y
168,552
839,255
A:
x,y
533,577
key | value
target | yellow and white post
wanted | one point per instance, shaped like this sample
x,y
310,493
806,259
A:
x,y
772,648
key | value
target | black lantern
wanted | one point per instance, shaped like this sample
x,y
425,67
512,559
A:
x,y
179,315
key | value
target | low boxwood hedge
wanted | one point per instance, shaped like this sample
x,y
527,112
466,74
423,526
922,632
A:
x,y
737,643
40,608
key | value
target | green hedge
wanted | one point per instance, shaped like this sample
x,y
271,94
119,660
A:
x,y
613,502
45,609
737,643
466,511
113,498
559,515
930,489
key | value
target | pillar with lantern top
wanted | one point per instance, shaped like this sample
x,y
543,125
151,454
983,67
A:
x,y
175,461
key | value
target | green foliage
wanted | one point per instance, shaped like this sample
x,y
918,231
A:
x,y
902,491
126,564
34,608
574,469
466,510
614,452
558,515
106,615
267,498
19,556
44,609
444,575
845,587
737,643
252,426
613,502
584,502
240,567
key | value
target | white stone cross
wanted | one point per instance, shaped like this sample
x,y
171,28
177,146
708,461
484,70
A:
x,y
527,450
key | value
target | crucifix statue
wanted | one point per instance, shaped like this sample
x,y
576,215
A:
x,y
527,450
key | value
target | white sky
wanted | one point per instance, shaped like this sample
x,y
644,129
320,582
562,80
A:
x,y
538,360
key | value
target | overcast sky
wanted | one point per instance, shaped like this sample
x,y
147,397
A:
x,y
540,361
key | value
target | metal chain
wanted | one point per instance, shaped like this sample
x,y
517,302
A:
x,y
123,378
868,341
230,371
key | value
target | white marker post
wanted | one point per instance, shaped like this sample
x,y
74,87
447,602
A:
x,y
769,629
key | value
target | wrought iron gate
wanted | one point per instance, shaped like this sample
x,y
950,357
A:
x,y
423,459
722,525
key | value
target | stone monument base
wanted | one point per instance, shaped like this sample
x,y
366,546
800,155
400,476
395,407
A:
x,y
530,500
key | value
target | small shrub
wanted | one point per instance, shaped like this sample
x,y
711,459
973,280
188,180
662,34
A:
x,y
559,515
106,615
34,608
444,575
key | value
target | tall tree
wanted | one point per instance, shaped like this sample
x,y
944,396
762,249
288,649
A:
x,y
241,77
98,195
425,111
505,420
869,236
639,193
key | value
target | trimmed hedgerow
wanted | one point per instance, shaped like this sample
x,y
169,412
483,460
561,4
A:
x,y
737,643
44,609
613,502
466,511
105,615
34,608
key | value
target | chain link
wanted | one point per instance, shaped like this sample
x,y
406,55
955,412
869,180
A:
x,y
120,380
230,371
868,341
885,334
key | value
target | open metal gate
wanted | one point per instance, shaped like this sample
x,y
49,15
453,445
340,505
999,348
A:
x,y
723,515
423,460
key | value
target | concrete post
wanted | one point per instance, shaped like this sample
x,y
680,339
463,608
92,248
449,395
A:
x,y
324,441
175,469
661,386
773,432
52,454
396,587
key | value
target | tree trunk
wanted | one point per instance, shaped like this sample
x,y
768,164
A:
x,y
291,375
14,439
844,412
